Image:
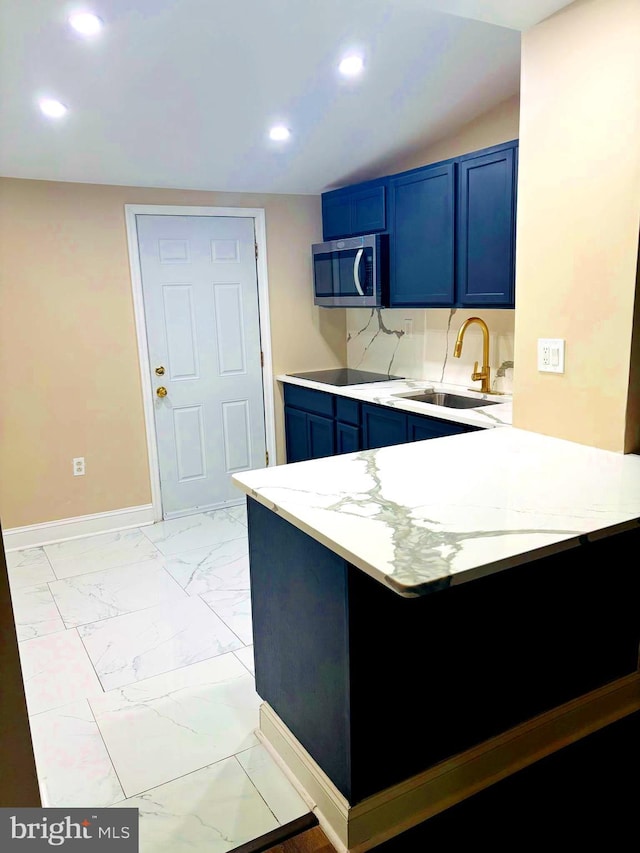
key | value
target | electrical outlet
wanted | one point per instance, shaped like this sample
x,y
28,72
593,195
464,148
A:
x,y
408,327
551,355
78,466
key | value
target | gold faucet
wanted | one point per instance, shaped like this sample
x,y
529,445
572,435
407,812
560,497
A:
x,y
483,374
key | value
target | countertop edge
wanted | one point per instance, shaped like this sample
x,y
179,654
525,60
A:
x,y
383,394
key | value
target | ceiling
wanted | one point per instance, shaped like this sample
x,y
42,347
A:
x,y
181,93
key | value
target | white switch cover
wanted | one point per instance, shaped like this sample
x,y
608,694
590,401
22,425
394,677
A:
x,y
551,355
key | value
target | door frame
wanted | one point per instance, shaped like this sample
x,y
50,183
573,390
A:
x,y
258,216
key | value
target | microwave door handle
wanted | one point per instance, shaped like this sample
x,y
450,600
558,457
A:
x,y
356,272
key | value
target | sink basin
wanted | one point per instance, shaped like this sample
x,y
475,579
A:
x,y
449,401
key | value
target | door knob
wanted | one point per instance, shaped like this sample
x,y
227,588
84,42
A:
x,y
161,391
160,371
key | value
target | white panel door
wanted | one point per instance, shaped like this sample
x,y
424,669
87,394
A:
x,y
200,294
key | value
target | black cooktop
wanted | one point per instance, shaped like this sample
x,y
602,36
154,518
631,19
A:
x,y
344,376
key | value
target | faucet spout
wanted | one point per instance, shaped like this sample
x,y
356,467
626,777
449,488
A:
x,y
484,374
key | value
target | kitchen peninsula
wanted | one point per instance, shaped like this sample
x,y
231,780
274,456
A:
x,y
431,617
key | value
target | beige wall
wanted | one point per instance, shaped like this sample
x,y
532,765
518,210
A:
x,y
68,356
578,221
496,125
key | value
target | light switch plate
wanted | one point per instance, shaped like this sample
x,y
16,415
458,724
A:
x,y
551,355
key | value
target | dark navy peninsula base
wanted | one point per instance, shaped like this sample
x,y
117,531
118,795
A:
x,y
378,687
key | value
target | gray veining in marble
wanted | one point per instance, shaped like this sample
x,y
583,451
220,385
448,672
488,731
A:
x,y
381,329
416,539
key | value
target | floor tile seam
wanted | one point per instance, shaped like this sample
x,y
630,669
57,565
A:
x,y
202,546
88,536
168,521
244,770
40,770
176,669
93,669
233,518
127,684
226,624
53,598
252,674
177,778
115,770
19,625
19,569
86,651
216,573
139,561
182,592
185,596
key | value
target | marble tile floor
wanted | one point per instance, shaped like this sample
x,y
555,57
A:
x,y
138,668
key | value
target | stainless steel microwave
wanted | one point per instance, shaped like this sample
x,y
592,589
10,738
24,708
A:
x,y
351,273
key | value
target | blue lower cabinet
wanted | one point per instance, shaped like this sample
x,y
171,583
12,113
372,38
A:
x,y
382,427
348,438
296,438
321,436
321,424
419,428
308,436
309,423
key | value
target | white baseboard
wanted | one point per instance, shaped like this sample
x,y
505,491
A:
x,y
359,828
33,535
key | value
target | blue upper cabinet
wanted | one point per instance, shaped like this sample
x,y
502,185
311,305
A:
x,y
451,228
486,228
354,210
422,237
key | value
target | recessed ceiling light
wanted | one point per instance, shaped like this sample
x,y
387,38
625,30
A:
x,y
351,65
52,108
86,23
279,133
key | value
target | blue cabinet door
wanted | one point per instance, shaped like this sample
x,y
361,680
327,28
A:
x,y
347,438
382,427
368,213
321,436
486,229
420,428
350,212
336,216
296,438
307,436
422,237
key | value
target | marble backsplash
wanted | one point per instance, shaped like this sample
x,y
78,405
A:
x,y
418,344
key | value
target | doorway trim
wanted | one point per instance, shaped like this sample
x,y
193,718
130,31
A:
x,y
258,216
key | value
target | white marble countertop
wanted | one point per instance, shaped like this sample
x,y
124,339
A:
x,y
422,516
383,394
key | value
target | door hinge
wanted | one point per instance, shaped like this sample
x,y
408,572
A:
x,y
266,457
256,245
261,359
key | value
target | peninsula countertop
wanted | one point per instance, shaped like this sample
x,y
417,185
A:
x,y
386,394
427,515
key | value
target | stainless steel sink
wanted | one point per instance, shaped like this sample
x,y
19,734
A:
x,y
449,401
